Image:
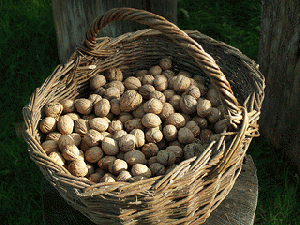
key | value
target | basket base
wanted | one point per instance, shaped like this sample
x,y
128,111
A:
x,y
237,208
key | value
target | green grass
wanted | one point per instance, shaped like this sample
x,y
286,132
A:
x,y
28,52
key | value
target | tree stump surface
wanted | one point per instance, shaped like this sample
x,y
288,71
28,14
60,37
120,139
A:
x,y
237,208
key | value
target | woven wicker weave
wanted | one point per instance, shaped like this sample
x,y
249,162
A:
x,y
192,190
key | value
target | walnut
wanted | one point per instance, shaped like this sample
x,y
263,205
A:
x,y
169,74
115,126
201,122
118,134
221,126
105,161
166,111
73,116
158,95
139,137
170,132
78,168
160,83
169,93
203,107
124,176
133,124
127,142
81,126
125,117
177,150
213,96
193,149
175,102
116,84
140,73
108,177
53,109
112,93
188,104
193,126
157,169
154,135
102,108
155,70
145,91
193,91
94,98
65,125
100,91
205,135
110,146
88,116
140,170
214,115
117,166
147,79
71,153
179,83
139,112
176,119
135,156
150,149
77,138
115,106
130,100
48,125
65,140
132,83
151,120
99,124
153,106
57,157
152,160
95,177
165,63
68,105
97,81
83,106
53,136
93,137
166,157
114,74
50,146
94,154
185,136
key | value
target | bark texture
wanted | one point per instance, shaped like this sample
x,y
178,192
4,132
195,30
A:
x,y
73,18
279,60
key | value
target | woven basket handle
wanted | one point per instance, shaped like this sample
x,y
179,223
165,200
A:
x,y
205,61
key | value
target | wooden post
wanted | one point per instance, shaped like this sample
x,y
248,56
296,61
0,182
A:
x,y
279,60
73,18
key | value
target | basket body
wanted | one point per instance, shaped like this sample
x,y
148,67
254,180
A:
x,y
193,189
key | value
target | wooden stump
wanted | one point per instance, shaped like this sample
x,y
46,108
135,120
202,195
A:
x,y
73,18
237,208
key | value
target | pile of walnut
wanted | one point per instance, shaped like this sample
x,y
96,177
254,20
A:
x,y
136,128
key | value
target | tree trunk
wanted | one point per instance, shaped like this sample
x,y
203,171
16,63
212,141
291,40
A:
x,y
279,60
73,18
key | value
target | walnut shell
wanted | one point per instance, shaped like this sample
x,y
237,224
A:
x,y
78,168
94,98
99,124
114,74
117,84
166,157
176,119
201,122
185,136
158,95
81,126
105,161
68,105
135,156
111,93
127,142
154,135
133,124
169,93
108,177
115,126
71,153
110,146
145,91
118,134
140,73
97,81
213,96
139,112
115,106
140,170
147,79
153,106
221,126
53,136
170,132
165,63
125,117
150,149
214,115
130,100
83,106
193,91
193,126
48,125
53,109
179,83
193,149
204,107
169,74
166,111
139,137
102,108
95,177
65,125
205,136
117,166
132,83
93,137
175,102
155,70
124,176
57,157
50,146
151,120
157,169
188,104
94,154
160,83
177,150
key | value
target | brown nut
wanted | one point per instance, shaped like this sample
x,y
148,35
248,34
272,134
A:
x,y
145,91
68,105
193,149
175,102
214,115
166,111
158,95
93,137
65,125
115,106
117,166
221,126
205,135
53,136
139,137
83,106
185,136
165,63
213,96
150,149
102,108
78,168
130,100
112,93
97,81
154,135
73,116
140,170
105,161
140,73
124,176
169,74
99,124
81,126
193,126
147,79
50,146
115,126
177,150
153,106
94,154
53,109
108,177
95,177
152,160
135,156
155,70
139,112
201,122
118,134
193,91
166,157
116,84
48,125
114,74
157,169
151,120
132,83
71,153
169,93
170,132
176,119
110,146
203,107
133,124
160,83
179,83
57,157
127,142
188,104
125,117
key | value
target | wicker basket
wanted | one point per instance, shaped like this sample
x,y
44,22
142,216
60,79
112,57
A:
x,y
192,190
